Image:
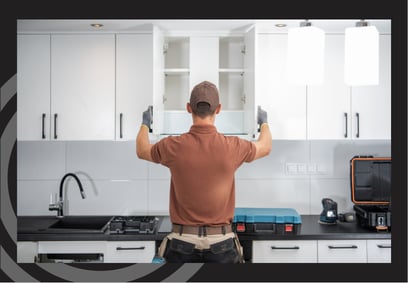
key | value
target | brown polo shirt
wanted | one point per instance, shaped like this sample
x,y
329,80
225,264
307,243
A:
x,y
202,163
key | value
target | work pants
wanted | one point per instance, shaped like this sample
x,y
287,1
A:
x,y
219,248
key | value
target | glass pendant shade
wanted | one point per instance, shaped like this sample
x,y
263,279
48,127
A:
x,y
305,57
361,62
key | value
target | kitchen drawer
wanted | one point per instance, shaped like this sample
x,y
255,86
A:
x,y
71,247
379,251
342,251
284,251
130,251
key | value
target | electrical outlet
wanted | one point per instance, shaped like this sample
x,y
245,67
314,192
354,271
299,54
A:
x,y
302,168
311,168
291,168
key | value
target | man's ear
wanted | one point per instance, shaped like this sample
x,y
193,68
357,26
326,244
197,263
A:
x,y
188,107
218,109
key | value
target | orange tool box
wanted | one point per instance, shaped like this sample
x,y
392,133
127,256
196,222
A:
x,y
370,179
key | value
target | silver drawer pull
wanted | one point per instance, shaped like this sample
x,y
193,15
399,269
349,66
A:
x,y
384,246
285,248
343,247
130,248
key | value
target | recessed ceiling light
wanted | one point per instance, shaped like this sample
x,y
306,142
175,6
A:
x,y
280,25
97,25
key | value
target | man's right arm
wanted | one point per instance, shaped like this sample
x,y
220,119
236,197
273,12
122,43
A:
x,y
264,143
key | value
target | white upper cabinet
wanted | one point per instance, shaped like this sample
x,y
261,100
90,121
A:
x,y
284,102
33,87
337,111
328,105
371,105
95,86
134,82
226,61
83,86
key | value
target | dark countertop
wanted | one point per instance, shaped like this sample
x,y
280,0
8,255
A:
x,y
34,228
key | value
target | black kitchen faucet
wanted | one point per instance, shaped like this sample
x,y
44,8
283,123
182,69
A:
x,y
59,205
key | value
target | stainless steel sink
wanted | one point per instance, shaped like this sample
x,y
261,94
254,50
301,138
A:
x,y
80,224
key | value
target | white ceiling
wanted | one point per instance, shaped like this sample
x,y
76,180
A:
x,y
186,26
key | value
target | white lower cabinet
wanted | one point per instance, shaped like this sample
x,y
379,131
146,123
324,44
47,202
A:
x,y
342,251
27,252
130,251
284,251
86,251
379,251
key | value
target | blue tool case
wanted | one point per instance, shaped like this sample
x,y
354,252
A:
x,y
278,221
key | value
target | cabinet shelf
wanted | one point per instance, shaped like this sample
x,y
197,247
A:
x,y
176,71
231,70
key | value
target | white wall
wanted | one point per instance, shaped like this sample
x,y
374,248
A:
x,y
116,182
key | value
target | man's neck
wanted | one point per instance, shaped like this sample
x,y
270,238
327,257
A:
x,y
209,120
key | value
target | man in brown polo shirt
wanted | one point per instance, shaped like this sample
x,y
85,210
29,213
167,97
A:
x,y
202,163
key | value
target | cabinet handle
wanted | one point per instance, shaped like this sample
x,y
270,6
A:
x,y
343,247
345,122
384,246
358,125
55,126
43,125
130,248
285,248
120,125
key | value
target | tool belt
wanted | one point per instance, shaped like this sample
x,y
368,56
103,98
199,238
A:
x,y
201,230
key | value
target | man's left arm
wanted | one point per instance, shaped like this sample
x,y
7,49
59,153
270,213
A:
x,y
143,145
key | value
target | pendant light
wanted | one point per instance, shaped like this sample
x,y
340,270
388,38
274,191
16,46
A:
x,y
305,57
361,62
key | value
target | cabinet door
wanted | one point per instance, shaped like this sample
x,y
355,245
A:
x,y
33,87
285,103
342,251
134,82
284,251
71,247
250,122
83,86
158,80
328,105
379,251
372,104
130,251
27,252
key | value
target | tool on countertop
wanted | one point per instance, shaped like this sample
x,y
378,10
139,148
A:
x,y
329,213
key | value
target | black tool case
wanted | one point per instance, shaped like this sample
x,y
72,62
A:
x,y
370,179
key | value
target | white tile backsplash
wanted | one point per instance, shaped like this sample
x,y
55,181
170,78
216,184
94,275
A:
x,y
273,165
159,195
106,160
335,157
117,182
39,160
108,198
274,193
33,196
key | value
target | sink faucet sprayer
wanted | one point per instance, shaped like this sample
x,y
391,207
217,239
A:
x,y
59,205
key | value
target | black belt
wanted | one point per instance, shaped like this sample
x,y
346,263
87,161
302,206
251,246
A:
x,y
201,230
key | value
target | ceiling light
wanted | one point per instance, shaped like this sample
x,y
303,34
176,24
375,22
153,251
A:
x,y
305,57
361,62
97,25
280,25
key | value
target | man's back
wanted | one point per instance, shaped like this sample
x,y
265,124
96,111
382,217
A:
x,y
202,164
